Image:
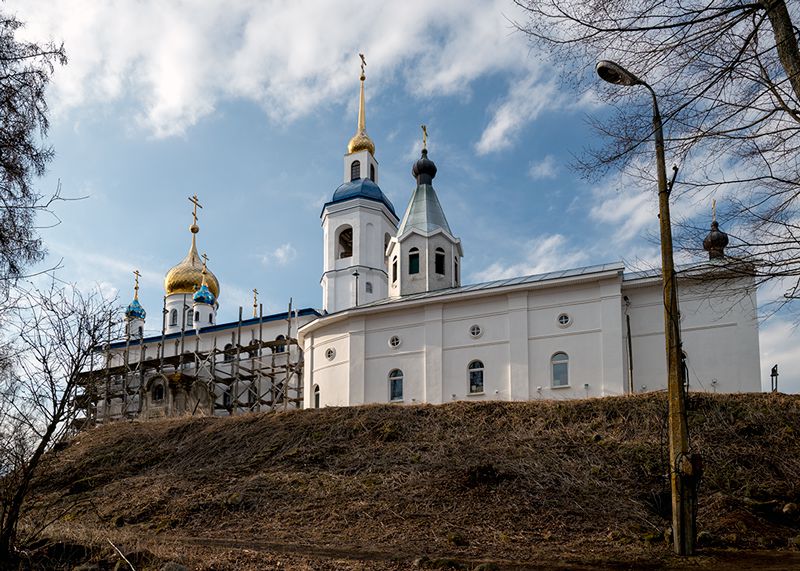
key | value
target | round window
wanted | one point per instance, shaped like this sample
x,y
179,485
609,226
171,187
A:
x,y
394,341
475,331
564,320
330,353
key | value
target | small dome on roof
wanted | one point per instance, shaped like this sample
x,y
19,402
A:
x,y
424,169
361,188
204,295
715,242
135,310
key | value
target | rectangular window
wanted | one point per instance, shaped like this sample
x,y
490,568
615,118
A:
x,y
396,389
413,263
440,263
560,378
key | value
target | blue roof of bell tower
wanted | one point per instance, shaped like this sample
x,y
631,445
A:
x,y
361,188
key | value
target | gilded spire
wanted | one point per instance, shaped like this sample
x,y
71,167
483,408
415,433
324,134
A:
x,y
255,302
361,140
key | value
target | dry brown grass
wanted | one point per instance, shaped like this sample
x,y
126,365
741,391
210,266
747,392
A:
x,y
574,481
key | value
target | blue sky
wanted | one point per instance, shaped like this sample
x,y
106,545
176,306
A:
x,y
250,105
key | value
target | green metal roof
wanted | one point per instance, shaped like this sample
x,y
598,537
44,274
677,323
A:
x,y
424,212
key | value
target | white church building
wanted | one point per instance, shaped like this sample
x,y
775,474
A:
x,y
397,325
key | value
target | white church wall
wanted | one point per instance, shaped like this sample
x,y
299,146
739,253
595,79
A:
x,y
719,331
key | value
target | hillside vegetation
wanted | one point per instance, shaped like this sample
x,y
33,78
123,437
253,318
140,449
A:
x,y
388,487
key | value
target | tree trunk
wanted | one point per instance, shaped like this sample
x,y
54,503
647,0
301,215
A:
x,y
785,41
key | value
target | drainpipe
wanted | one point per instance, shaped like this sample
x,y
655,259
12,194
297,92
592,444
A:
x,y
630,344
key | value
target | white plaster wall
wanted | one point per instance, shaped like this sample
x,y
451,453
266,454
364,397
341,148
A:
x,y
719,333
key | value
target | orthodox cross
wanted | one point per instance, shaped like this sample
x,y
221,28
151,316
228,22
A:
x,y
424,137
205,259
196,202
255,301
136,284
363,64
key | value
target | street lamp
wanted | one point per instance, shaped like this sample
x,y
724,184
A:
x,y
682,466
355,275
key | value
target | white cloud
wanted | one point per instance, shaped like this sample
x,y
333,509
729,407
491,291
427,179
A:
x,y
280,256
175,62
541,254
526,99
545,168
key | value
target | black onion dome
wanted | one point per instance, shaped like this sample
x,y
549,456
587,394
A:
x,y
424,169
715,242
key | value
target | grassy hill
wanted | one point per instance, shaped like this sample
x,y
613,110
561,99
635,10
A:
x,y
512,485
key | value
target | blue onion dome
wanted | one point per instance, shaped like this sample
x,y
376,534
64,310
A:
x,y
715,242
135,310
204,295
424,169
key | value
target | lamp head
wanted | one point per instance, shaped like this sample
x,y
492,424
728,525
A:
x,y
616,74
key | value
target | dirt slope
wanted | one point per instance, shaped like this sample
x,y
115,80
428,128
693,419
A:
x,y
379,486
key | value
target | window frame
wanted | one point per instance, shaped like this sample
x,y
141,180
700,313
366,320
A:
x,y
355,170
559,359
476,367
439,258
413,261
342,249
395,376
173,317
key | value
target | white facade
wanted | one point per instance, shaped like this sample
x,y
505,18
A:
x,y
519,335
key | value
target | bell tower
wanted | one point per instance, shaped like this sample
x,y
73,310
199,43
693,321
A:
x,y
357,224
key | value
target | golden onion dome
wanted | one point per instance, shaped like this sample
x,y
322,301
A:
x,y
361,140
187,276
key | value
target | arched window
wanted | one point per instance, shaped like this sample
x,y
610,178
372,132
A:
x,y
439,261
282,346
394,269
413,261
316,396
559,363
355,170
197,316
475,373
396,384
141,331
158,393
372,173
189,317
455,271
211,318
368,287
228,357
173,317
344,244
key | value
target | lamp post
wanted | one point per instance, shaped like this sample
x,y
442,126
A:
x,y
683,468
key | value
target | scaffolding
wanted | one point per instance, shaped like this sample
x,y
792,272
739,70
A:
x,y
241,377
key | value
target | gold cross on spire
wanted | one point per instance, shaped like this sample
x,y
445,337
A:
x,y
424,137
363,65
136,284
714,210
255,301
196,202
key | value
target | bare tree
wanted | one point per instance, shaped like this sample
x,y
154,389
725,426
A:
x,y
727,75
52,336
25,71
